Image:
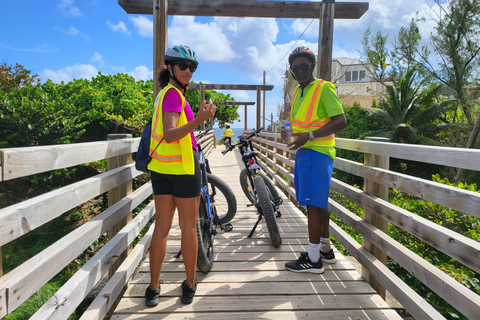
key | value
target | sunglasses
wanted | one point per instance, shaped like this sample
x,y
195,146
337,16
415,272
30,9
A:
x,y
303,67
183,66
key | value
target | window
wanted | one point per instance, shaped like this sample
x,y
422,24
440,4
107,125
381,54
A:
x,y
354,75
362,76
348,76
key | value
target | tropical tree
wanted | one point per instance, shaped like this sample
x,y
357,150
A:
x,y
14,77
410,114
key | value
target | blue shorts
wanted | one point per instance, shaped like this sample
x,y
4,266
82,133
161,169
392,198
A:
x,y
313,175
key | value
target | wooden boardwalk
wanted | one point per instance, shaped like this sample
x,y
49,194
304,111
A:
x,y
249,280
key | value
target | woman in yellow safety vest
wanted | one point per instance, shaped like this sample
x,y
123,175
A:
x,y
316,115
227,136
175,171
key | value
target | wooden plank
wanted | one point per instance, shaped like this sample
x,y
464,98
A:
x,y
22,162
105,299
256,303
263,288
452,157
233,8
64,302
366,314
325,41
160,44
27,278
210,86
415,304
21,218
455,198
453,244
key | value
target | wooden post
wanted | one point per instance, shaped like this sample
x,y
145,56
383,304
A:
x,y
160,41
259,108
118,193
202,98
264,76
325,40
245,125
380,191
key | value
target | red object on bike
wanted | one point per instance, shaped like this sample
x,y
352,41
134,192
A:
x,y
252,160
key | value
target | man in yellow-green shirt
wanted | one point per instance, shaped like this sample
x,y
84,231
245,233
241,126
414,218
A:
x,y
316,115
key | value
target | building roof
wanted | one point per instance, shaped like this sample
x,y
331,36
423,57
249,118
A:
x,y
348,61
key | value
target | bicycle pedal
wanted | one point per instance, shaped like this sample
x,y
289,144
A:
x,y
279,214
228,227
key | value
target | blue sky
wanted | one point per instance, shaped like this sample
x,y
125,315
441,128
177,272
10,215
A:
x,y
63,40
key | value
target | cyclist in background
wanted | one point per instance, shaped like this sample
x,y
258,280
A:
x,y
175,171
227,136
315,116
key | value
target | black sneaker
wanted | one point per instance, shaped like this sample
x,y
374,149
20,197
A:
x,y
327,257
188,292
303,264
151,296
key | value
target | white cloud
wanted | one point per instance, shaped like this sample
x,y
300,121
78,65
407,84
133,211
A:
x,y
141,73
119,27
207,40
143,25
68,9
78,71
73,32
97,57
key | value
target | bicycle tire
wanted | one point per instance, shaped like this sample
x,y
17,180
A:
x,y
267,210
247,190
224,199
205,238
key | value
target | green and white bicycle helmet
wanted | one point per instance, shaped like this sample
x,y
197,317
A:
x,y
180,53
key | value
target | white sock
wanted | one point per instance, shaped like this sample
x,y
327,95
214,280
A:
x,y
314,251
325,245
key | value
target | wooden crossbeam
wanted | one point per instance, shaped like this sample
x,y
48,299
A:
x,y
247,8
209,86
232,103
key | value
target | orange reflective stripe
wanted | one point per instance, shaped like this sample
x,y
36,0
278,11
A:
x,y
313,102
167,159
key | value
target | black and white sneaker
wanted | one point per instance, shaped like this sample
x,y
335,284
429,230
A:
x,y
152,297
327,257
188,292
303,264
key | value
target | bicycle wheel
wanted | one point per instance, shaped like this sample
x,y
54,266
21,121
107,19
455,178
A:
x,y
205,238
247,188
222,196
267,210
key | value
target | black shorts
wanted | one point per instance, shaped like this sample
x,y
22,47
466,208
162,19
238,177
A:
x,y
180,185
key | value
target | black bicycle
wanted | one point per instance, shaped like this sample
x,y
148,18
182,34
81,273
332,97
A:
x,y
218,206
258,188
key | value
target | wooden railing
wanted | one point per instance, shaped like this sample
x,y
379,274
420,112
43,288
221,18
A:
x,y
19,219
278,162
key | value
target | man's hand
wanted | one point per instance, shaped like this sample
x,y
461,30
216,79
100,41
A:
x,y
300,139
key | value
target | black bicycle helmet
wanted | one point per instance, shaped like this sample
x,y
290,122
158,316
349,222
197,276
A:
x,y
180,53
301,51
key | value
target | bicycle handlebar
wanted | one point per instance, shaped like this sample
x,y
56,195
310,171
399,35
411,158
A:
x,y
202,134
233,146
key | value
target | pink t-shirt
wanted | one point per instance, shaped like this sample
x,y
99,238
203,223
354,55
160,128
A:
x,y
172,102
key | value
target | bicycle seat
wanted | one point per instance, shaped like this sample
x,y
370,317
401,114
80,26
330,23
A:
x,y
249,154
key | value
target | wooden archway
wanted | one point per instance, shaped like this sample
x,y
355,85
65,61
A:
x,y
326,11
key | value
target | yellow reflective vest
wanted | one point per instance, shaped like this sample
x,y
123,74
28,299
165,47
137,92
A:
x,y
175,157
307,118
228,133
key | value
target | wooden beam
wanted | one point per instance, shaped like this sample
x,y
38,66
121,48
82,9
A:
x,y
247,8
232,103
259,108
209,86
160,28
325,41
